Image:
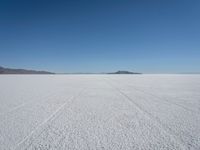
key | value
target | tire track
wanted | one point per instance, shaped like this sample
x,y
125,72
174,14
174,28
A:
x,y
14,109
162,126
164,99
50,118
24,104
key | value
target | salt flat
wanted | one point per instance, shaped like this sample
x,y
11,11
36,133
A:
x,y
100,112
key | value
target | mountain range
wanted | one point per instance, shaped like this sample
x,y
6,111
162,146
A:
x,y
124,72
21,71
4,70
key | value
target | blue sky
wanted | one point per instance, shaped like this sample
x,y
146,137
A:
x,y
157,36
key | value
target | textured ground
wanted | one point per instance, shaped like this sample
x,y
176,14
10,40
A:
x,y
100,112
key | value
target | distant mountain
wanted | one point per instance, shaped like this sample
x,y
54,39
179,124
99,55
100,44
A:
x,y
21,71
124,72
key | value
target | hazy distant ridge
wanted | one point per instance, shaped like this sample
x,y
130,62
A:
x,y
21,71
124,72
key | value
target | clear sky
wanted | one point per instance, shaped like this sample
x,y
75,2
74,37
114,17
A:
x,y
150,36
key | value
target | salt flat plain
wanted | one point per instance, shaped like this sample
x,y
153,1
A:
x,y
109,112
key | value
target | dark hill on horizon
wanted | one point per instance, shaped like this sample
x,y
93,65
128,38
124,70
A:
x,y
21,71
124,72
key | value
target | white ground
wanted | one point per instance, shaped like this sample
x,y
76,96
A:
x,y
100,112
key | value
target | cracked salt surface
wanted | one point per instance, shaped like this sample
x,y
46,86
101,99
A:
x,y
100,112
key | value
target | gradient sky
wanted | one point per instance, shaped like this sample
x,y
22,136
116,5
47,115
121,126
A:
x,y
149,36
